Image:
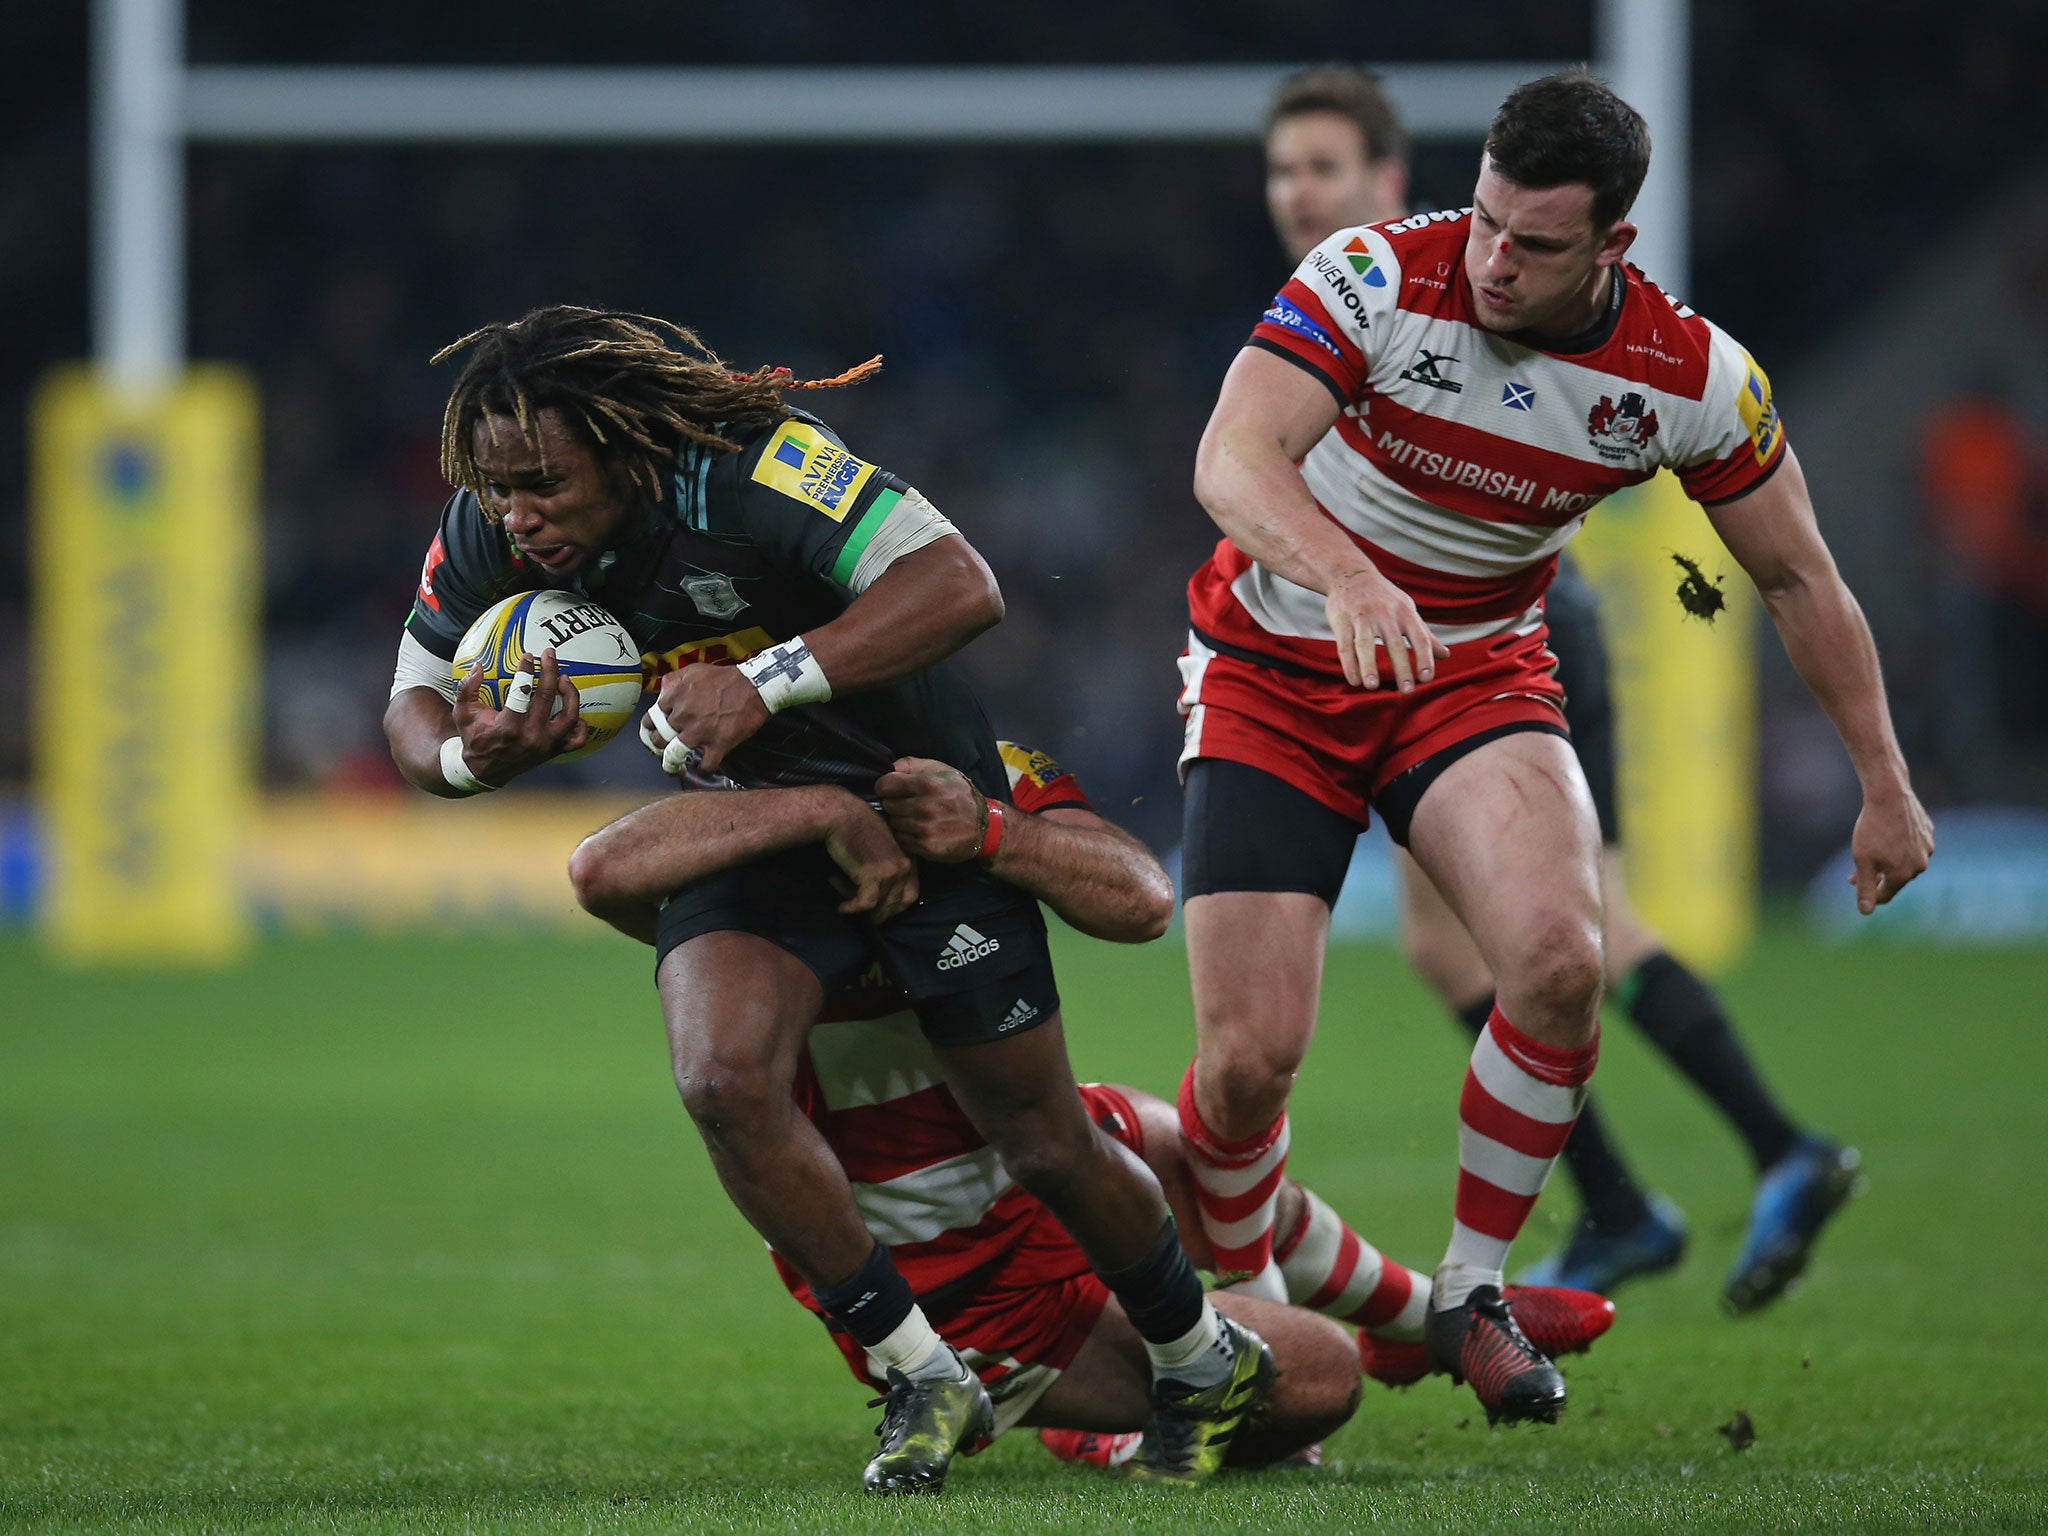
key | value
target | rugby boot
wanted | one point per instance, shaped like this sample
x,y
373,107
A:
x,y
1558,1322
1557,1319
924,1425
1308,1459
1480,1343
1599,1260
1794,1200
1190,1430
1090,1447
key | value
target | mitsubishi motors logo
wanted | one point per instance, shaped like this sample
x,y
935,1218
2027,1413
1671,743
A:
x,y
965,947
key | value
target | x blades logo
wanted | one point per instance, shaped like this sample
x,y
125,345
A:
x,y
1362,263
1428,371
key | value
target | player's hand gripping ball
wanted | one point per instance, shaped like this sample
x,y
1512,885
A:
x,y
592,650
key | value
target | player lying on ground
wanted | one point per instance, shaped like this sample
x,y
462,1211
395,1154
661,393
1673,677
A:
x,y
1336,158
616,456
996,1275
1419,423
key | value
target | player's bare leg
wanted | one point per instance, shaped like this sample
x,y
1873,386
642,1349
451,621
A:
x,y
738,1009
1255,965
1020,1093
1316,1391
1508,835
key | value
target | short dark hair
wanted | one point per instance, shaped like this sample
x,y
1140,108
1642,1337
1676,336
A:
x,y
1349,92
1569,127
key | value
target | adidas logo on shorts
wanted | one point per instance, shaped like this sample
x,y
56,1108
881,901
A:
x,y
965,947
1020,1015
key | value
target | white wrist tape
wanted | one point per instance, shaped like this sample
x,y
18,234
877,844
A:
x,y
456,771
787,674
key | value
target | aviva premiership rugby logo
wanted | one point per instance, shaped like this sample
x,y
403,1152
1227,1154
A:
x,y
1622,429
804,463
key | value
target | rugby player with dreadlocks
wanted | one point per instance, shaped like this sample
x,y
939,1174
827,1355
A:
x,y
617,456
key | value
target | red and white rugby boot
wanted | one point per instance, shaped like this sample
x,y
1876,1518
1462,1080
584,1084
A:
x,y
1478,1342
1556,1321
1089,1447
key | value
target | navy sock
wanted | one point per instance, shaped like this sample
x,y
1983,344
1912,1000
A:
x,y
1684,1019
1161,1293
1612,1199
872,1302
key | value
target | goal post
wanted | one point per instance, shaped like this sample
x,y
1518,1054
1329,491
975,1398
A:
x,y
150,105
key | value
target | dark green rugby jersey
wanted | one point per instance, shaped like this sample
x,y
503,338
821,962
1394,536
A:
x,y
746,550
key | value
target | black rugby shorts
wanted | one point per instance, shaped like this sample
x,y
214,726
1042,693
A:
x,y
971,956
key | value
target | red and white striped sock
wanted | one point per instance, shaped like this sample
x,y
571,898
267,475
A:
x,y
1237,1184
1329,1268
1514,1117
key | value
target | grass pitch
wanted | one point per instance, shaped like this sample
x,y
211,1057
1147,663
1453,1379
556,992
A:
x,y
414,1237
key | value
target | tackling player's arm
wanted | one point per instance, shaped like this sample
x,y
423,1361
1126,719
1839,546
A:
x,y
1772,532
1095,875
1269,414
622,871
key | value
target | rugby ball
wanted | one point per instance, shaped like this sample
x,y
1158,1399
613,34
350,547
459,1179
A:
x,y
591,647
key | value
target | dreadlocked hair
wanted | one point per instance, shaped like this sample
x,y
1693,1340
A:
x,y
636,387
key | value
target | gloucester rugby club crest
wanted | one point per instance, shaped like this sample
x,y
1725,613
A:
x,y
1621,429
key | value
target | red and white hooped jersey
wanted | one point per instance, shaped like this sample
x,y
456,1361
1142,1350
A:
x,y
1465,459
927,1185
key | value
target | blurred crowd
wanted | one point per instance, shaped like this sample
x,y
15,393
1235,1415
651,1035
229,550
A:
x,y
1054,321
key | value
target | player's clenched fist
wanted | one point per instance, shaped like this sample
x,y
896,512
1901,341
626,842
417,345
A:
x,y
934,809
1367,611
1893,840
712,709
500,744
